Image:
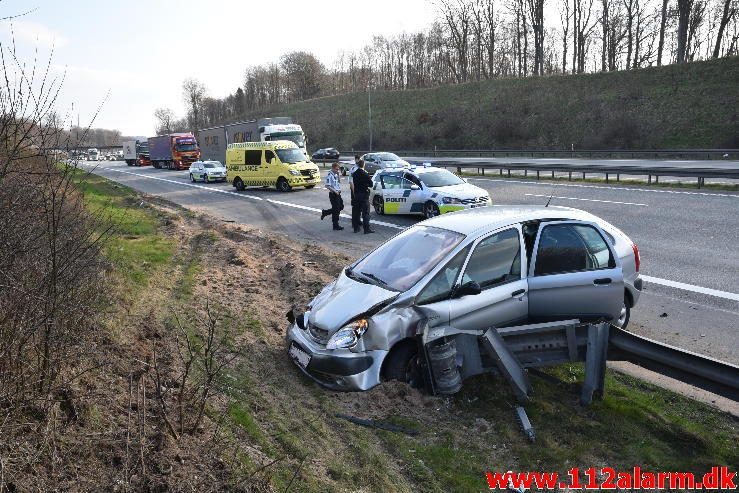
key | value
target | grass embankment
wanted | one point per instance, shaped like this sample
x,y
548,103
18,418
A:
x,y
271,428
676,106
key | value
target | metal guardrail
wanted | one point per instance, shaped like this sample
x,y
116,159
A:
x,y
701,371
717,154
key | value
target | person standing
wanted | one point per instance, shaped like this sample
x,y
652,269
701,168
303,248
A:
x,y
333,185
355,208
362,185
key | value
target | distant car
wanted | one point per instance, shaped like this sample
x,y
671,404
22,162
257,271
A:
x,y
424,190
207,171
326,154
497,266
374,161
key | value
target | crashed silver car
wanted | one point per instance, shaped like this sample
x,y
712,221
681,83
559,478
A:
x,y
491,267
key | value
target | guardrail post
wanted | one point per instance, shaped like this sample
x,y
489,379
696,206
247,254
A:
x,y
649,179
552,174
501,171
509,172
618,176
570,178
583,176
606,177
525,173
537,174
656,178
459,170
595,363
483,171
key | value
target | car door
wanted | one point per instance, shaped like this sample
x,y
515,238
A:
x,y
392,193
416,196
200,173
497,265
575,273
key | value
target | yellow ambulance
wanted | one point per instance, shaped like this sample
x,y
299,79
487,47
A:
x,y
280,164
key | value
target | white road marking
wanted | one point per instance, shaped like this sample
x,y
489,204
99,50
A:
x,y
692,287
587,200
649,279
547,184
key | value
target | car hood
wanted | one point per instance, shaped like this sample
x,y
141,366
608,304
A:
x,y
461,191
343,300
396,164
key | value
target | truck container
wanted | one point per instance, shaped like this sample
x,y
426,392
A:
x,y
136,152
215,140
174,151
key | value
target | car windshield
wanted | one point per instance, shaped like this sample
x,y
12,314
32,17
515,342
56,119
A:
x,y
399,263
213,164
290,155
441,178
186,147
387,156
296,137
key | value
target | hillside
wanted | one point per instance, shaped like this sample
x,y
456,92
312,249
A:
x,y
686,106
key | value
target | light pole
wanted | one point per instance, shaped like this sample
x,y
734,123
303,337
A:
x,y
369,112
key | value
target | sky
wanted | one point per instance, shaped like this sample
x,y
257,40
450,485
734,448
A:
x,y
128,58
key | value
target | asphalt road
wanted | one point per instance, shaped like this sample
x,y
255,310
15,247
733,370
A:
x,y
686,238
684,164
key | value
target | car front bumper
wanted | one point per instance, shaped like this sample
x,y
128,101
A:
x,y
337,369
445,208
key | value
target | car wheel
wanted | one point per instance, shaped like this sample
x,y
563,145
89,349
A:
x,y
623,319
379,205
402,364
430,209
205,178
283,185
239,185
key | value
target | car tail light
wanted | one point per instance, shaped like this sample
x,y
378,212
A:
x,y
637,258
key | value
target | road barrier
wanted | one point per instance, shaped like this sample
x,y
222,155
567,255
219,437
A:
x,y
710,154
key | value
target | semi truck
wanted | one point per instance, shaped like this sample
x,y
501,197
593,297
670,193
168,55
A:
x,y
174,151
136,152
92,154
214,140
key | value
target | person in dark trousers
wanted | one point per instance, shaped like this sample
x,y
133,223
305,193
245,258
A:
x,y
333,184
356,221
362,185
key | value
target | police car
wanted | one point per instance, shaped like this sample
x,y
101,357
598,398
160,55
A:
x,y
425,190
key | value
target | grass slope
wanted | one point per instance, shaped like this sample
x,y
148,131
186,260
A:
x,y
271,429
676,106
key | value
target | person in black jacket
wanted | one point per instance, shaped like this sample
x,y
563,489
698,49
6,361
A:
x,y
362,185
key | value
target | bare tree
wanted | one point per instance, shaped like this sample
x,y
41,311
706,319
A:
x,y
536,13
193,92
728,13
164,117
684,9
663,22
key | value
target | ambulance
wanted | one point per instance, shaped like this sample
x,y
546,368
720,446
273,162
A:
x,y
423,190
280,164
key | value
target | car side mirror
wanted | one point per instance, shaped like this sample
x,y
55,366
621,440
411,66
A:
x,y
469,288
415,187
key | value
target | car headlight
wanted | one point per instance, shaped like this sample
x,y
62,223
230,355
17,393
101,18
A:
x,y
451,200
294,172
348,335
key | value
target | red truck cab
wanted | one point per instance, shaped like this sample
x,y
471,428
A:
x,y
174,151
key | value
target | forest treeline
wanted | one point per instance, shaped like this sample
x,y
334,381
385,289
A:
x,y
476,40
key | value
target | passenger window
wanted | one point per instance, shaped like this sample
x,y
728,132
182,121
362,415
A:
x,y
391,182
496,260
254,158
268,155
571,248
440,287
405,184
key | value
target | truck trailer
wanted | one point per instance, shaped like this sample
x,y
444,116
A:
x,y
174,151
136,152
214,140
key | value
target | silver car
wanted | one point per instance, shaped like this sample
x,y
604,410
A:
x,y
374,161
207,171
495,266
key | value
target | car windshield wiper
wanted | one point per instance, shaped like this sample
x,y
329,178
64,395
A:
x,y
374,278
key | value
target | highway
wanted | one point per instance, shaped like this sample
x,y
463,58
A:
x,y
687,238
727,169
